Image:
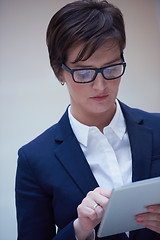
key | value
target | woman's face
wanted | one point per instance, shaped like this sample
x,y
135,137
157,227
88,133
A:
x,y
95,99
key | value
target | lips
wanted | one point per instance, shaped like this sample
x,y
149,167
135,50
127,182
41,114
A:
x,y
99,97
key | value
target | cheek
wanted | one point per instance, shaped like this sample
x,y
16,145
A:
x,y
115,85
72,86
74,89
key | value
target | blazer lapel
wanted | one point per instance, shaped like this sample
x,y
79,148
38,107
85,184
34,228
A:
x,y
141,151
70,155
141,146
141,143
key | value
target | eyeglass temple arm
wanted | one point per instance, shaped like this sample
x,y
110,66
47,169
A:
x,y
122,56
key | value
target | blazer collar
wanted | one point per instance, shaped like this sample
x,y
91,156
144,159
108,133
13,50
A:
x,y
140,137
70,155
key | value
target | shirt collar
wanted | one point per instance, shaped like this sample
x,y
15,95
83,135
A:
x,y
82,131
117,124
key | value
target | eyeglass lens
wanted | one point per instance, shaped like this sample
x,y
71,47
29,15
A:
x,y
86,75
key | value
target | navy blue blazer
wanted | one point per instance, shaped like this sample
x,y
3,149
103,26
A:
x,y
53,177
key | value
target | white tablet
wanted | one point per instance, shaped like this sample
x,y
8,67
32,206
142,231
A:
x,y
125,203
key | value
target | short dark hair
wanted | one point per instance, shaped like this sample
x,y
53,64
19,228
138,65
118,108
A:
x,y
90,22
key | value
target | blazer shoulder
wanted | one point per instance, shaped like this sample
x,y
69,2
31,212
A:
x,y
40,142
148,116
148,119
56,133
138,112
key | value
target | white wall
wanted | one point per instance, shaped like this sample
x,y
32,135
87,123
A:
x,y
141,83
31,99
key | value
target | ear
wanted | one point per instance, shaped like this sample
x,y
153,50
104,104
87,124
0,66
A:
x,y
59,74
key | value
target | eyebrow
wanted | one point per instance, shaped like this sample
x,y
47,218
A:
x,y
106,64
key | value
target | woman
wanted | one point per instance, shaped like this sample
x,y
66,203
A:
x,y
65,176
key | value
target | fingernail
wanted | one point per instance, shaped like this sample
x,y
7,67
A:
x,y
140,219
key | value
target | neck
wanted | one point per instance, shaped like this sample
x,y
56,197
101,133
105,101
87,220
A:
x,y
100,120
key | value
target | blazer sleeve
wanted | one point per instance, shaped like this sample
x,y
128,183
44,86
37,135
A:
x,y
34,208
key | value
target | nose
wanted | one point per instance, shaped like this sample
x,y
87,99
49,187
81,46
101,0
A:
x,y
99,83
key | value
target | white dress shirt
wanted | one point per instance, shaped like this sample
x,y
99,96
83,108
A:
x,y
108,153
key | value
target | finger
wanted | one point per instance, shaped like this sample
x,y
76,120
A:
x,y
96,198
89,208
154,209
99,212
99,192
86,211
150,220
148,217
103,192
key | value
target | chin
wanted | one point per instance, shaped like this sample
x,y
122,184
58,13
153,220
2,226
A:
x,y
101,110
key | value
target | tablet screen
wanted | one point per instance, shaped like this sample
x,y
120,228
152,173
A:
x,y
125,203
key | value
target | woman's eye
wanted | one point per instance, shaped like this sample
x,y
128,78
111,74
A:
x,y
111,71
83,74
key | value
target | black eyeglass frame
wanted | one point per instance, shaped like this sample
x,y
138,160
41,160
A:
x,y
97,70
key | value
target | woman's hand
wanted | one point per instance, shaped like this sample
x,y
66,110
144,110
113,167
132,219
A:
x,y
90,212
151,219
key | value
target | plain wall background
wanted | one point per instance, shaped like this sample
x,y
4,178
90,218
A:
x,y
31,99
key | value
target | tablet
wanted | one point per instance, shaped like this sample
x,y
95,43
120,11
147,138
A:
x,y
125,203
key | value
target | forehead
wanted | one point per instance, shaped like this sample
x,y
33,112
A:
x,y
106,53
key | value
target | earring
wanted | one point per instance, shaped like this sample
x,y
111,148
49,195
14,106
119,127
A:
x,y
62,83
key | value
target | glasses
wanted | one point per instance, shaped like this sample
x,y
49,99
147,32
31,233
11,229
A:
x,y
89,74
